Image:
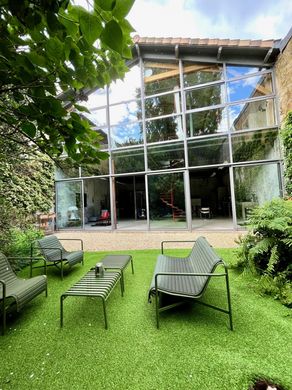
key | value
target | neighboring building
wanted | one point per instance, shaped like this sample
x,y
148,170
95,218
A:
x,y
195,124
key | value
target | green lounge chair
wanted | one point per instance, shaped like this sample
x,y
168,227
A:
x,y
55,254
16,292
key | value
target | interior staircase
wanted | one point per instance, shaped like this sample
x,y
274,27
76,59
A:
x,y
168,199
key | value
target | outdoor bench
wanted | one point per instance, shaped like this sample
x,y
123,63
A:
x,y
187,277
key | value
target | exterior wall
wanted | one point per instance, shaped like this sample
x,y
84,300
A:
x,y
283,71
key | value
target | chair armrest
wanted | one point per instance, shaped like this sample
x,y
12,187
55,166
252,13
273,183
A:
x,y
4,288
167,241
72,239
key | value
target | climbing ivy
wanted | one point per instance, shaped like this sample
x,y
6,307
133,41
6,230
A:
x,y
286,134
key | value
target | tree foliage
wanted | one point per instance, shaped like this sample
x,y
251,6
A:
x,y
51,52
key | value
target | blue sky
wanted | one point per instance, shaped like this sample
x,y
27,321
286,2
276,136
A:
x,y
242,19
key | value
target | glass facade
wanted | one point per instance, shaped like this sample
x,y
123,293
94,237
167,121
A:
x,y
180,136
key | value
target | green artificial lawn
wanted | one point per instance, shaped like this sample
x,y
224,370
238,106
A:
x,y
193,349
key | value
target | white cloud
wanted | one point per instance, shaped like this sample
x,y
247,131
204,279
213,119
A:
x,y
261,19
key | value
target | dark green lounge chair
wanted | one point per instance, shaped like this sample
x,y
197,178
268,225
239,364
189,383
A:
x,y
16,292
55,254
187,277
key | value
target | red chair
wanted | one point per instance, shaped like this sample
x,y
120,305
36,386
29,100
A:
x,y
104,219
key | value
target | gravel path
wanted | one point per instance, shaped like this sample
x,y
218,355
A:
x,y
112,241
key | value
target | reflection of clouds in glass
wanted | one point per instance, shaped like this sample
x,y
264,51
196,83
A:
x,y
234,113
237,71
125,133
222,125
98,117
126,89
96,99
123,113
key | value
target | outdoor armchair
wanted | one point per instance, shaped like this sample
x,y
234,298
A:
x,y
16,292
54,254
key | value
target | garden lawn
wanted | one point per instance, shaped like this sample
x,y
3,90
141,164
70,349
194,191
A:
x,y
193,349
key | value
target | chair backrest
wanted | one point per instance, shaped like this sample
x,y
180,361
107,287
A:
x,y
6,272
104,214
203,257
50,247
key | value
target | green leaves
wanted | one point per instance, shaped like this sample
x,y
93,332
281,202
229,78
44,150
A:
x,y
51,49
112,36
29,129
90,27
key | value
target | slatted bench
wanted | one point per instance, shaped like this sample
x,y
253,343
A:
x,y
187,277
92,286
118,262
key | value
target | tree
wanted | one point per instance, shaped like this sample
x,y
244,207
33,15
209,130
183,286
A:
x,y
51,53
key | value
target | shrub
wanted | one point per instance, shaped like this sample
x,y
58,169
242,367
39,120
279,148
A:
x,y
17,243
266,250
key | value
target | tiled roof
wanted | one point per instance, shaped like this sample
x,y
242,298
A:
x,y
205,42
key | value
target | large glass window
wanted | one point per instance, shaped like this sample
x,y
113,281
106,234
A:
x,y
166,156
102,168
162,105
203,97
160,77
252,115
208,151
259,145
250,87
96,99
131,160
195,74
127,89
167,201
233,71
253,186
66,168
69,204
164,129
206,122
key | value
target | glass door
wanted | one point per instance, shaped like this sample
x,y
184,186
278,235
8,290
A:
x,y
253,186
69,204
167,201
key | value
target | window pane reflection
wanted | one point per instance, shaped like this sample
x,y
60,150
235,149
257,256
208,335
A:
x,y
210,151
162,105
69,204
96,99
97,117
125,113
126,134
127,89
160,77
254,186
95,169
168,156
256,146
203,97
250,87
206,122
164,129
238,71
252,115
195,74
124,161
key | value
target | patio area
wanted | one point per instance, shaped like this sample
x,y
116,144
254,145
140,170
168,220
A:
x,y
193,348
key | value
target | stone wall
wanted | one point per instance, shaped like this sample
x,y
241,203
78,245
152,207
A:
x,y
283,69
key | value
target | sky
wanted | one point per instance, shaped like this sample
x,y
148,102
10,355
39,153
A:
x,y
234,19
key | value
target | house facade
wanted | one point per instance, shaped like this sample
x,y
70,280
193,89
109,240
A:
x,y
192,134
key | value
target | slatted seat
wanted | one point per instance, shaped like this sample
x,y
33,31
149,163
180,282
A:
x,y
187,277
17,292
118,262
92,286
56,255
